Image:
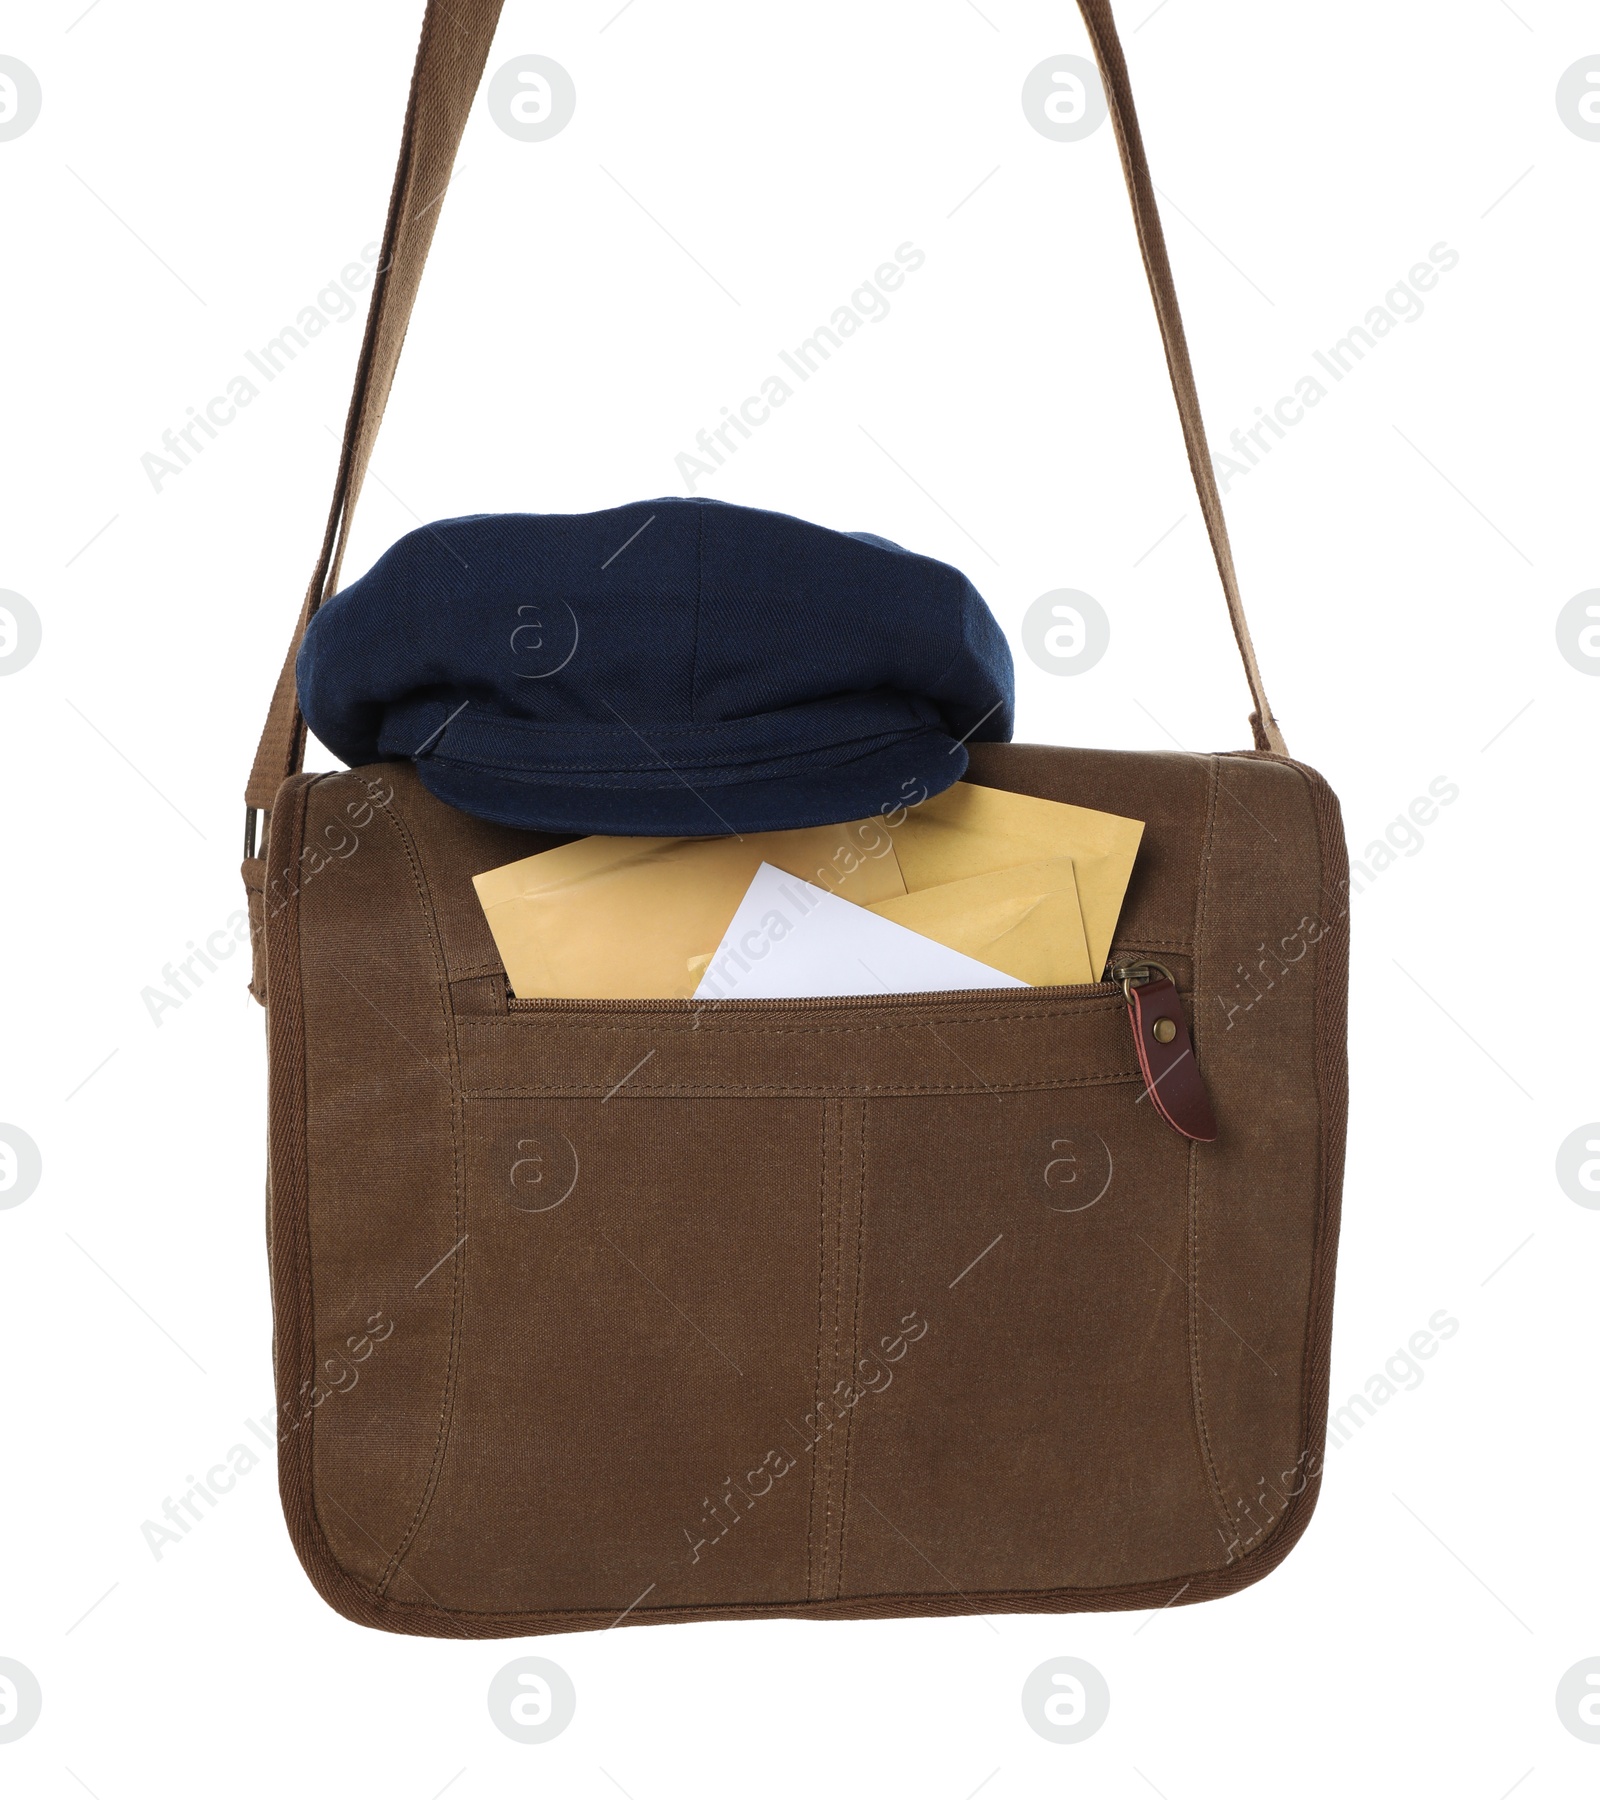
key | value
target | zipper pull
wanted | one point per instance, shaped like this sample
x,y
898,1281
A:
x,y
1166,1053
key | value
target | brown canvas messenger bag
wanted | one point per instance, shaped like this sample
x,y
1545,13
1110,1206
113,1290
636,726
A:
x,y
591,1312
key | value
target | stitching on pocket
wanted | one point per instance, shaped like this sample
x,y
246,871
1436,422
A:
x,y
855,1339
824,1150
839,1284
475,971
860,1090
834,1443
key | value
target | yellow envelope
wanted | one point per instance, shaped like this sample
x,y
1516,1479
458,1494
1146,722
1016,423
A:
x,y
1024,921
970,830
622,918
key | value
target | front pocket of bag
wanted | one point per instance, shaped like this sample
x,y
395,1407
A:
x,y
1041,1433
721,1345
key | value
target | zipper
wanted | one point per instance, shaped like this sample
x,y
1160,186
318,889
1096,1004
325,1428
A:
x,y
1135,971
1172,1080
1081,990
1161,1039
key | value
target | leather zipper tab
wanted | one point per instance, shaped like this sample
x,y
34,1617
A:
x,y
1166,1052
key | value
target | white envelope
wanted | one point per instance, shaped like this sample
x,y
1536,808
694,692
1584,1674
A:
x,y
790,940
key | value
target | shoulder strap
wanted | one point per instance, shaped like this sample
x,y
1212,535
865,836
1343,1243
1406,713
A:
x,y
1158,272
456,35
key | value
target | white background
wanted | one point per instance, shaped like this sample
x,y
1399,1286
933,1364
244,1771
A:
x,y
199,173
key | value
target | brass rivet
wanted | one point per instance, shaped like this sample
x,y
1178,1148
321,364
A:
x,y
1163,1031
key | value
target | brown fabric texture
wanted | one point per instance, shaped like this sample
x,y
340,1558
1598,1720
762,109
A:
x,y
591,1311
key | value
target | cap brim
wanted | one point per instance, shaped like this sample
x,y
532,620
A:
x,y
912,769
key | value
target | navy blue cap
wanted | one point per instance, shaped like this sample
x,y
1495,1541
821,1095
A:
x,y
676,668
